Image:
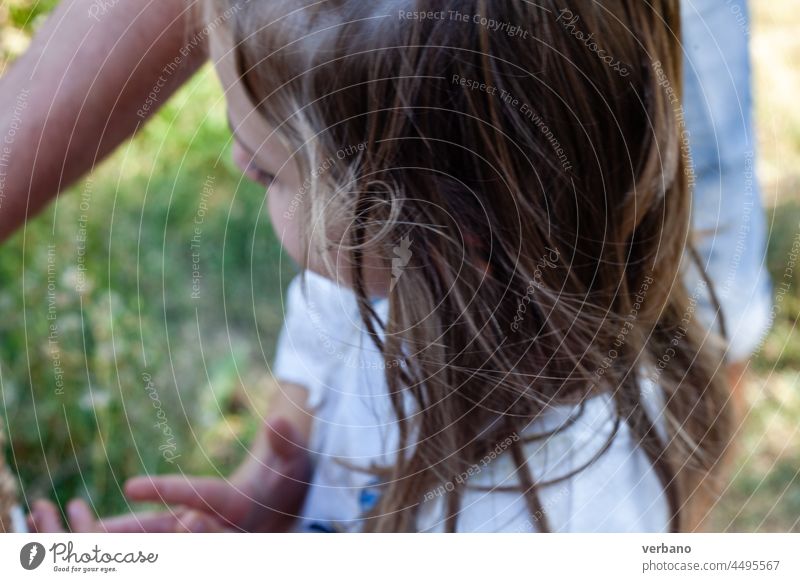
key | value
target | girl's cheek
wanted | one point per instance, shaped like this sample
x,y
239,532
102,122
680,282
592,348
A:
x,y
285,212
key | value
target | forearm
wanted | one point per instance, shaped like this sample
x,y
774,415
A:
x,y
83,87
289,403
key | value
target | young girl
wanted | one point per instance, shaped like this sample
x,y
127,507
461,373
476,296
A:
x,y
489,201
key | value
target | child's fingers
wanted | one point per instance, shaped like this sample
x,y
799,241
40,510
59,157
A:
x,y
153,522
162,522
202,493
81,518
45,517
198,522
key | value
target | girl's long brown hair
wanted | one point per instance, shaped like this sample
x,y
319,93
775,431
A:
x,y
545,213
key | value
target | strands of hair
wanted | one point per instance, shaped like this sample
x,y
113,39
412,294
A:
x,y
544,150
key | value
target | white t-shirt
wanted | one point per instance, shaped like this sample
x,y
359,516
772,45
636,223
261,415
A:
x,y
324,347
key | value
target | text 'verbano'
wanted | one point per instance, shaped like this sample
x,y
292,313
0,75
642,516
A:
x,y
665,549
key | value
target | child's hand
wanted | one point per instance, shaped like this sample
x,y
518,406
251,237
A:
x,y
264,495
45,517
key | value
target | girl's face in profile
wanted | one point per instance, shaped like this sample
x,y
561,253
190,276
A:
x,y
261,156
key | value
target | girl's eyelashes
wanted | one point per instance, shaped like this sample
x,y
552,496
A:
x,y
245,159
261,176
247,163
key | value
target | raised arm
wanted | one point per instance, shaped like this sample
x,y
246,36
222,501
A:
x,y
93,74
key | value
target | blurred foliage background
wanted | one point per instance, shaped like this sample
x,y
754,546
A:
x,y
128,329
146,367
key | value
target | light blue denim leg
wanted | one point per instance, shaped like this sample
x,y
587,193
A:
x,y
728,216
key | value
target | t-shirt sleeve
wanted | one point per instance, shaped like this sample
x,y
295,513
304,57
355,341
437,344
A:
x,y
318,322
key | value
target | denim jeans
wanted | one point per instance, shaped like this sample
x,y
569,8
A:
x,y
727,213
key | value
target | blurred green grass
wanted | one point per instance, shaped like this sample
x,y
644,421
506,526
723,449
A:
x,y
134,314
208,357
